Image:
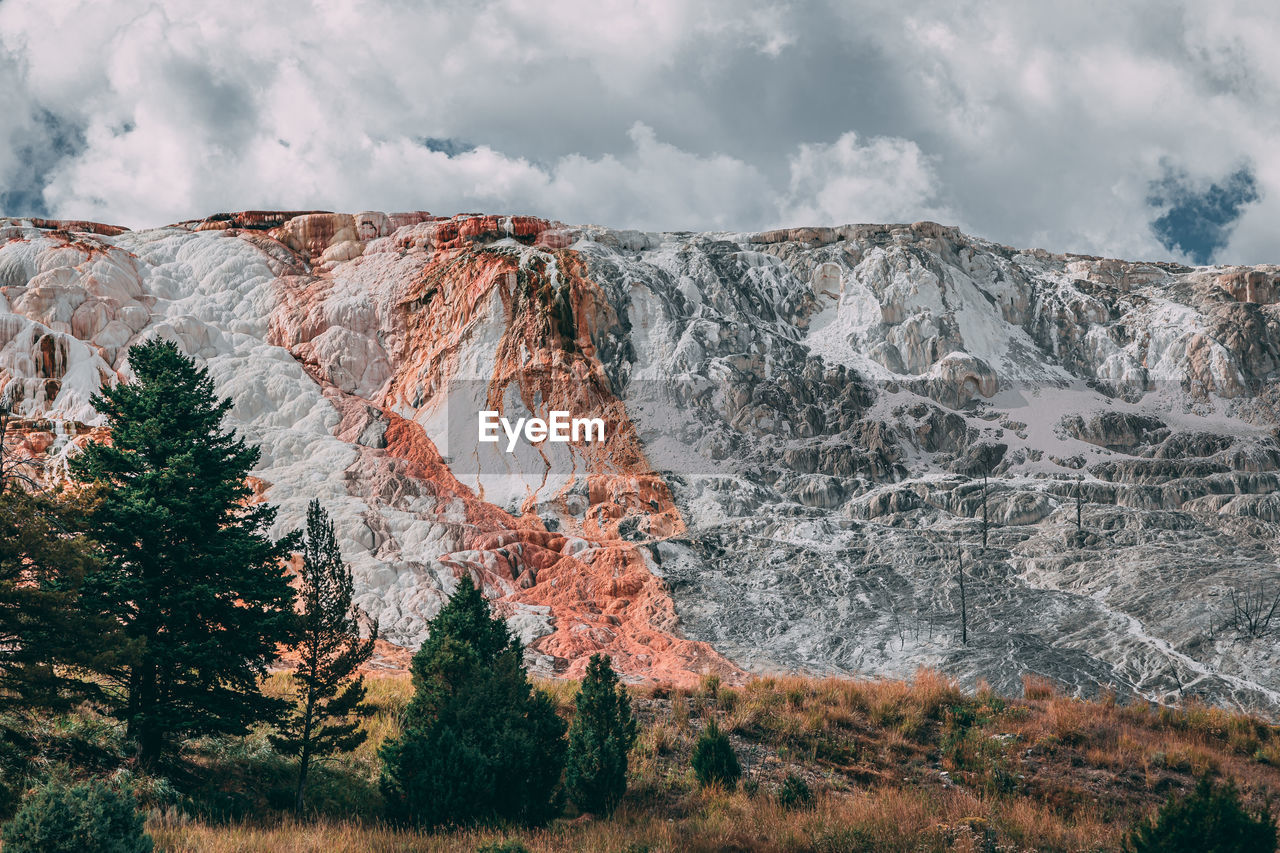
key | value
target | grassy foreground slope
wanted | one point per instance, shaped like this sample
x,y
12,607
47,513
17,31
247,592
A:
x,y
891,766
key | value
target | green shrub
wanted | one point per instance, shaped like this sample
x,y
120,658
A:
x,y
714,762
794,793
88,816
602,734
1209,820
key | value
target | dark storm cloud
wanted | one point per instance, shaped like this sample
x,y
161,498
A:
x,y
217,103
1031,124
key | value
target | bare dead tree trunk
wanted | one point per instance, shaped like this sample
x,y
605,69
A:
x,y
984,508
1079,503
964,609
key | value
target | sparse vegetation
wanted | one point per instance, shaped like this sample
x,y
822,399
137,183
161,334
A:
x,y
890,766
1252,610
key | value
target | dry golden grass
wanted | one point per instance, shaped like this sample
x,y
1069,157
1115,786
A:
x,y
919,765
1035,687
879,819
389,694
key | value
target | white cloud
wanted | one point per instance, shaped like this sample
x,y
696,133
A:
x,y
1026,123
881,180
658,186
244,105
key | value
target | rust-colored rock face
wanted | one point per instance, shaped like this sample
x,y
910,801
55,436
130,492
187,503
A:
x,y
597,597
1251,285
384,316
67,225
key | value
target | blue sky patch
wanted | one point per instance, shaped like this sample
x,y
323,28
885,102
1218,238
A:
x,y
40,151
448,147
1196,220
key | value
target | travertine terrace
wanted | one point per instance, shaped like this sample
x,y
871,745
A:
x,y
799,421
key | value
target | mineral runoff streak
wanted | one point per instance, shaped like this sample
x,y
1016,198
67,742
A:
x,y
558,428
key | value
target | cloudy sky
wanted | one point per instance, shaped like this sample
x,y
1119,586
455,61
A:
x,y
1140,130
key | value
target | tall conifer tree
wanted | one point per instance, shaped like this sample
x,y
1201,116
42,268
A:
x,y
191,576
330,697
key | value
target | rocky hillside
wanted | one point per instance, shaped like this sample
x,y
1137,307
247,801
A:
x,y
798,427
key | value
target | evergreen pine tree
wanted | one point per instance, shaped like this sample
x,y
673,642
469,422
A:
x,y
478,743
330,699
602,734
714,761
45,637
17,466
190,575
1210,819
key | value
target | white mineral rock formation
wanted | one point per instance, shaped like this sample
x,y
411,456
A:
x,y
803,419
